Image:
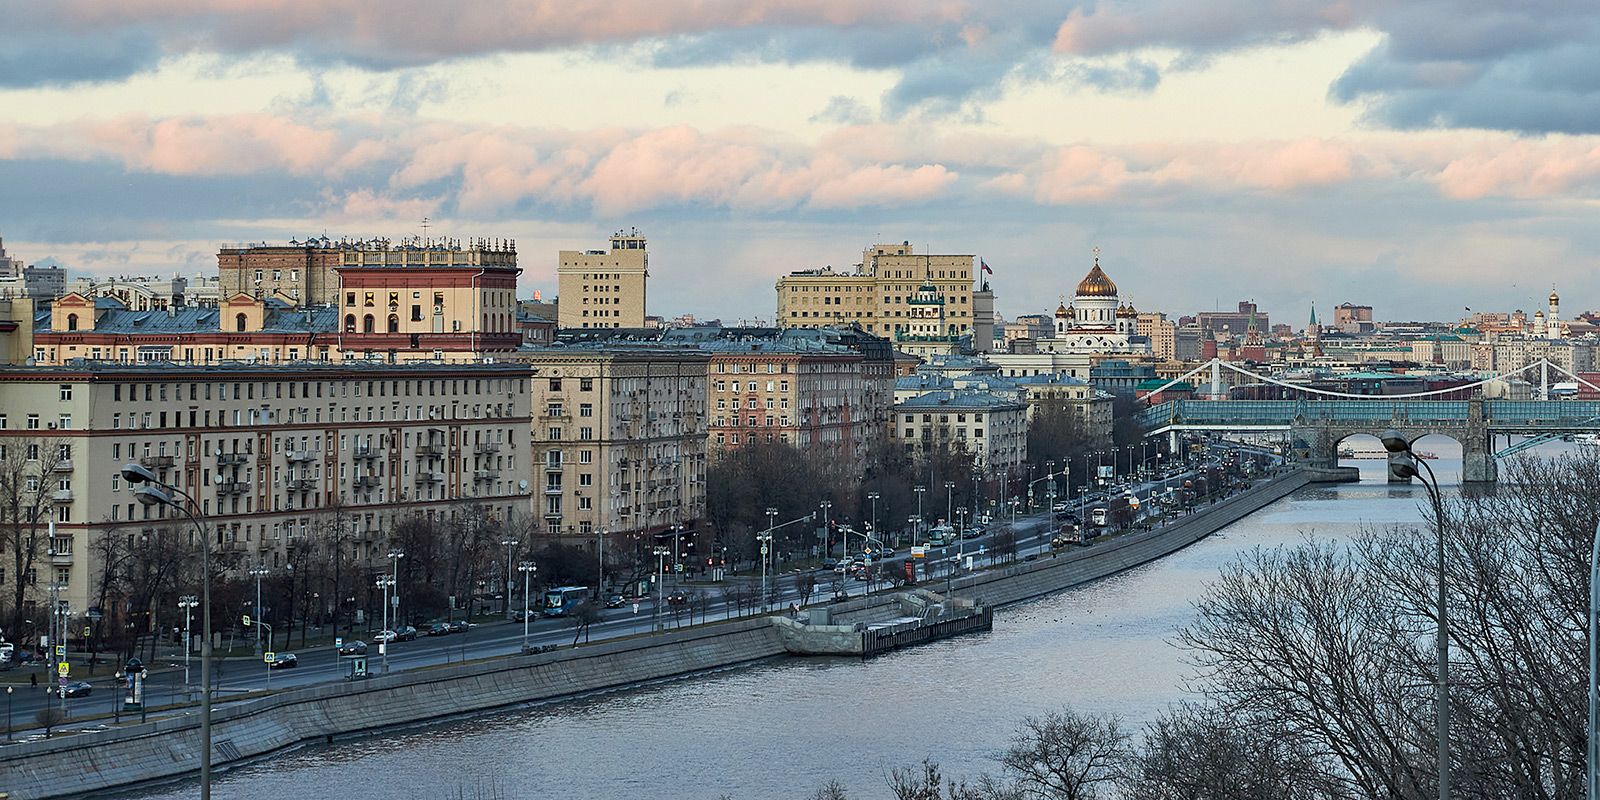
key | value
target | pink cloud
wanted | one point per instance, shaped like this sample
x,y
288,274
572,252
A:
x,y
1523,169
1077,173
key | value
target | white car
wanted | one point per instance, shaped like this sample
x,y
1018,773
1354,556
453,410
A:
x,y
384,637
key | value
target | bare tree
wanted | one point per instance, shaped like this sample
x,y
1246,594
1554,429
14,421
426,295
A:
x,y
30,474
1065,755
1204,752
582,617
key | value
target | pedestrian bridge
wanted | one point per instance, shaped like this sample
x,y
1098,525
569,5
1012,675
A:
x,y
1315,428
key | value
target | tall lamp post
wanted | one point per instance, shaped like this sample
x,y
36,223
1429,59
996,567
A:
x,y
1403,464
258,571
916,529
509,545
661,565
765,538
187,603
394,598
950,502
527,568
827,522
385,583
153,491
873,496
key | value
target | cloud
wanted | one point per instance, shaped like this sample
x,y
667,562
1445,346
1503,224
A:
x,y
842,110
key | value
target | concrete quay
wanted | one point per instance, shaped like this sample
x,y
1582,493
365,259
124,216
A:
x,y
168,748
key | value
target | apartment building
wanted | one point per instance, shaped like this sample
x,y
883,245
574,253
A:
x,y
604,288
881,294
269,454
618,439
306,273
809,395
993,428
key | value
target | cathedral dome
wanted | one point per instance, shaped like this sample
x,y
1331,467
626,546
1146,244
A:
x,y
1127,312
1096,284
1063,311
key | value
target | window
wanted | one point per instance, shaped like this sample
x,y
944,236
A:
x,y
349,298
586,384
66,392
366,321
239,323
72,322
585,409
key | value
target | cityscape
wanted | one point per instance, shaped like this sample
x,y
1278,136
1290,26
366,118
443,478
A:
x,y
938,402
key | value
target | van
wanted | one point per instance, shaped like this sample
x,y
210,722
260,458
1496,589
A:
x,y
941,535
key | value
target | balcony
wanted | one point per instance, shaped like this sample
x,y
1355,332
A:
x,y
302,484
299,456
365,481
364,451
556,489
556,415
223,459
156,462
61,496
430,476
486,475
61,558
430,450
64,465
231,487
484,448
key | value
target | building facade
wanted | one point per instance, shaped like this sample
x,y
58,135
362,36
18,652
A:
x,y
993,429
604,288
271,457
306,273
618,439
881,293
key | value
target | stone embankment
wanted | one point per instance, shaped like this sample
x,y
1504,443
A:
x,y
168,748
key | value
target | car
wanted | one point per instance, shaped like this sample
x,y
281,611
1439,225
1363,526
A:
x,y
439,629
830,562
677,599
405,633
354,647
884,551
384,637
460,626
283,661
973,532
614,601
1059,508
77,689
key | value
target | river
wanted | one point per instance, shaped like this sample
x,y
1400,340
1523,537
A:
x,y
782,729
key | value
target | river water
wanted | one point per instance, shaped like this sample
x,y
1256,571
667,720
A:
x,y
781,730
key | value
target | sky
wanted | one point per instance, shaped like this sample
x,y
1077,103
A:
x,y
1420,157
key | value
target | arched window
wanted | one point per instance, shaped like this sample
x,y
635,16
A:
x,y
238,322
366,324
349,323
72,322
394,323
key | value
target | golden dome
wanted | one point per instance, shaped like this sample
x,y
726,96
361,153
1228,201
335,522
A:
x,y
1554,298
1127,312
1096,284
1063,311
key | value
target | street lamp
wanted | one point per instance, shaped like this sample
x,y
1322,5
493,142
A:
x,y
394,582
384,583
259,571
527,568
1403,464
827,522
661,566
508,544
873,496
916,529
949,502
765,538
187,603
154,491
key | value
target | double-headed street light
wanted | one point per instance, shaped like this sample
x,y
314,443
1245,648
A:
x,y
1403,464
527,568
394,581
187,603
259,571
916,529
384,584
152,491
508,544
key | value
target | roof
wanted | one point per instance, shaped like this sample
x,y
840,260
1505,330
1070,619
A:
x,y
1050,379
974,400
200,319
1156,383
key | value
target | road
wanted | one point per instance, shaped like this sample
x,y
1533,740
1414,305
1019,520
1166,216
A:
x,y
235,677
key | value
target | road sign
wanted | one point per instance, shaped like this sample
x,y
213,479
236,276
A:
x,y
247,620
919,552
763,549
268,656
87,632
338,641
63,668
61,649
94,615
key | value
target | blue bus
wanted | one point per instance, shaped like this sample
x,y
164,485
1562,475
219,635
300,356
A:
x,y
562,599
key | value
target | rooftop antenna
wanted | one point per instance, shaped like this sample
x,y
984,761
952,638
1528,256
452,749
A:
x,y
425,222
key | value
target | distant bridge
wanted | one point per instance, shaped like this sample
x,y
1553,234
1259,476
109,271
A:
x,y
1315,426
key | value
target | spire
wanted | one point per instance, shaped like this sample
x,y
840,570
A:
x,y
1313,322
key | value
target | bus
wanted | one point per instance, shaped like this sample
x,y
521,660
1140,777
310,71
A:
x,y
1098,516
562,599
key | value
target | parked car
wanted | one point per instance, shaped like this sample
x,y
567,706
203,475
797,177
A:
x,y
460,626
283,661
830,563
77,689
384,637
439,629
405,633
614,601
354,647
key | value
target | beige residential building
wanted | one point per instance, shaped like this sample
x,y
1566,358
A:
x,y
1162,333
270,454
881,293
604,288
993,428
618,440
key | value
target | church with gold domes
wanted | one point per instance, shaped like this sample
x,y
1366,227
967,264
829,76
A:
x,y
1096,322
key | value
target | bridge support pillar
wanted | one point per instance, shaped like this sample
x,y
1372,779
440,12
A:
x,y
1477,447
